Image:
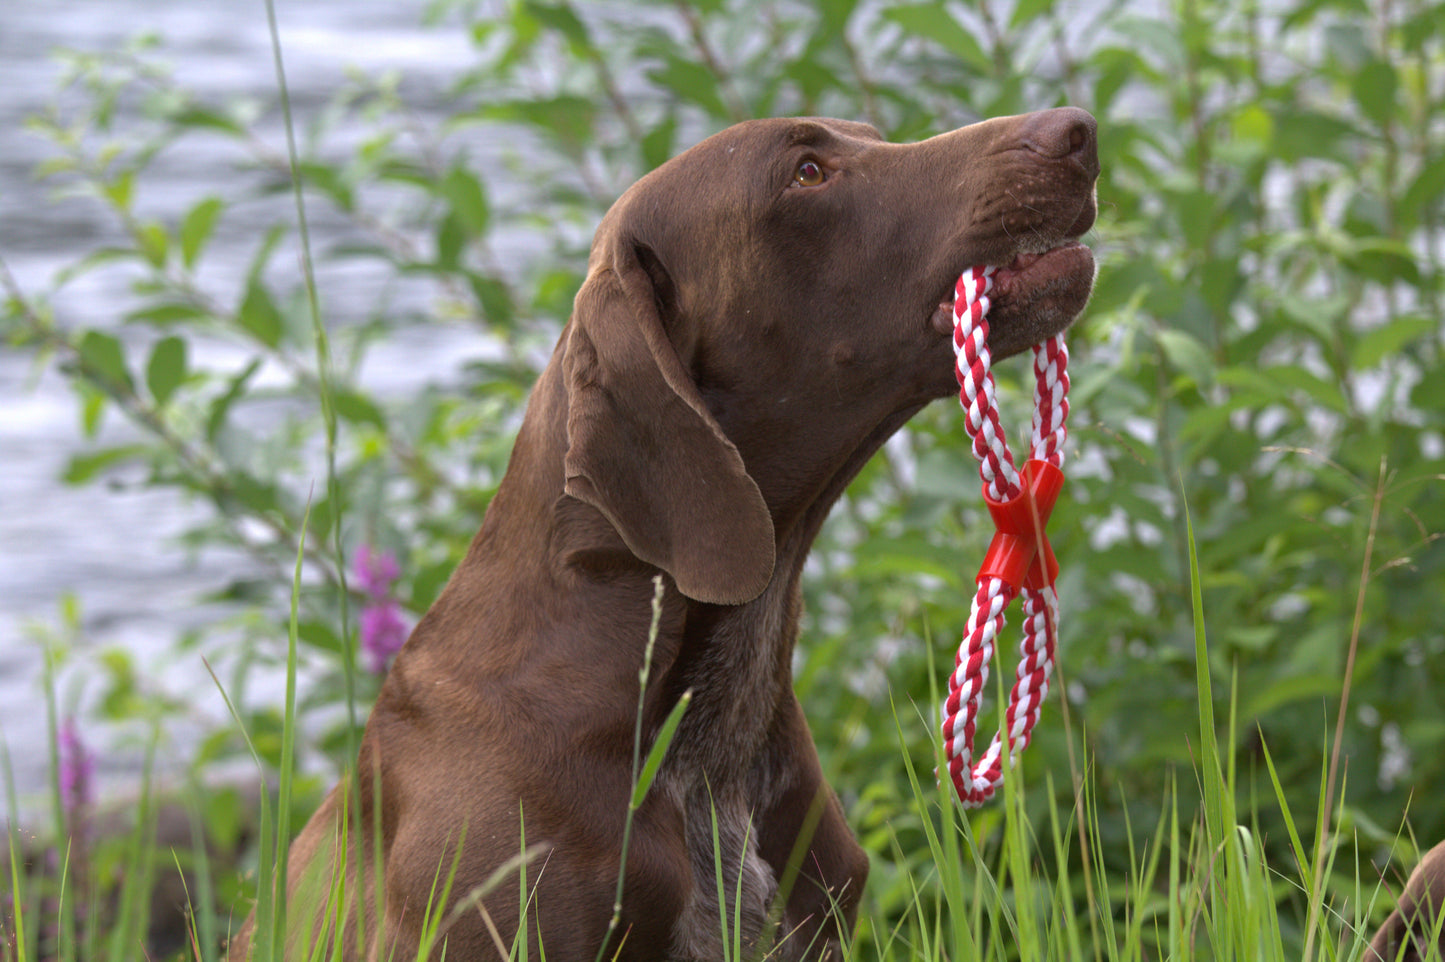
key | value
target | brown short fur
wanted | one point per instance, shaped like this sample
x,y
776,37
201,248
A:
x,y
1414,925
745,340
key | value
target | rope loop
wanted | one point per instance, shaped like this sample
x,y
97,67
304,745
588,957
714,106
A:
x,y
1020,561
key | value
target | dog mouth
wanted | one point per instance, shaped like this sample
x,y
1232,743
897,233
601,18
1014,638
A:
x,y
1035,296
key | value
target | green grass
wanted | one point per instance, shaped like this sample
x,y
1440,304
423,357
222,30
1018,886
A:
x,y
1196,884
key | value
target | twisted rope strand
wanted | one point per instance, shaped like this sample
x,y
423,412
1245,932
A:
x,y
976,781
1051,400
975,378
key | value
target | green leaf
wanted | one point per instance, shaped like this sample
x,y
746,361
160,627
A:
x,y
813,77
1155,39
1384,260
120,698
259,495
495,299
1298,378
933,22
1390,338
561,18
1186,354
331,181
657,143
166,314
692,83
83,467
258,314
102,355
96,258
1287,689
167,368
221,406
319,635
1424,192
567,118
358,408
92,406
468,200
202,118
154,243
224,815
405,171
1376,87
1254,126
120,190
451,239
1306,134
836,14
196,229
262,257
1197,213
1028,11
1252,638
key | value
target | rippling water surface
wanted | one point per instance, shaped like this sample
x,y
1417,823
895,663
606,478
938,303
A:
x,y
115,550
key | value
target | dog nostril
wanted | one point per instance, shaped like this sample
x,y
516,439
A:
x,y
1062,132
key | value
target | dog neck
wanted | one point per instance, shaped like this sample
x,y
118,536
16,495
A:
x,y
735,659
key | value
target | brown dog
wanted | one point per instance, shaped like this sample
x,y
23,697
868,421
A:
x,y
760,314
1415,925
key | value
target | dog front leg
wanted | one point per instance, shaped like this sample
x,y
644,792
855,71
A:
x,y
806,839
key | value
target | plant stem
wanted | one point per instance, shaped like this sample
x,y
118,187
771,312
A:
x,y
1317,896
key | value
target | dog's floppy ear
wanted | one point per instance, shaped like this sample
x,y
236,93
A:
x,y
643,449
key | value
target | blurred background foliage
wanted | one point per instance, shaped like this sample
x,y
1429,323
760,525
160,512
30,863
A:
x,y
1263,351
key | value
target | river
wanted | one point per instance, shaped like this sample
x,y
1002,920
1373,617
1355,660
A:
x,y
114,549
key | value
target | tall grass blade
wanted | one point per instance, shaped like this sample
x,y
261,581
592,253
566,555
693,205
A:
x,y
659,749
335,501
66,936
263,929
287,774
1211,775
643,774
203,919
1071,947
1317,894
323,377
436,913
24,950
132,917
1302,858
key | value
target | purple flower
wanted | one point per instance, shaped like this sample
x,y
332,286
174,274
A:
x,y
375,571
77,766
383,630
382,633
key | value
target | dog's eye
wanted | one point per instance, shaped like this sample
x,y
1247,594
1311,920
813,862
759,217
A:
x,y
809,174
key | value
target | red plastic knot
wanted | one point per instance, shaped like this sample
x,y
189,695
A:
x,y
1020,554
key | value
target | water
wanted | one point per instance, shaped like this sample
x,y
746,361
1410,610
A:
x,y
115,549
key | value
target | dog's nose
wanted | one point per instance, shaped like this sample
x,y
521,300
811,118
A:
x,y
1064,132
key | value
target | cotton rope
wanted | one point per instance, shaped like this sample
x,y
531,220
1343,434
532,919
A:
x,y
1019,559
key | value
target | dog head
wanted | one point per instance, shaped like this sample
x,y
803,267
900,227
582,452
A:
x,y
763,310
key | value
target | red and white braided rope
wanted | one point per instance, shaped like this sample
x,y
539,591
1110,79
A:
x,y
1004,485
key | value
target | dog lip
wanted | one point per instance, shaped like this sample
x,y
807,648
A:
x,y
1010,278
942,319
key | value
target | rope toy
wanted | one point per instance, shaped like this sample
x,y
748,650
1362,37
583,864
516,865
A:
x,y
1019,559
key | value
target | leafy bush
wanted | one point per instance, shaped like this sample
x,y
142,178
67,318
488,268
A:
x,y
1264,344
